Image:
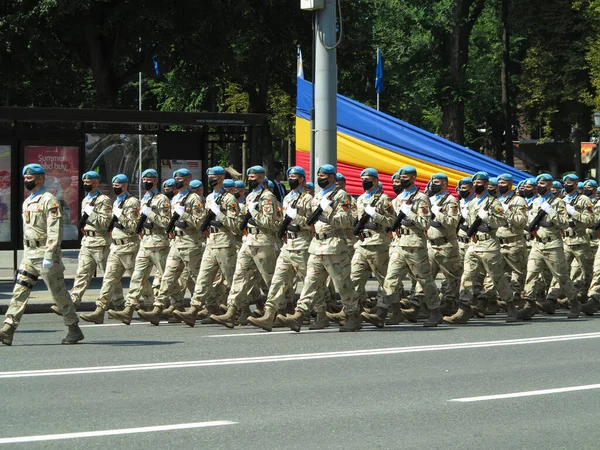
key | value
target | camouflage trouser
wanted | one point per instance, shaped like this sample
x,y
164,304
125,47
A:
x,y
318,268
366,260
515,269
477,263
291,263
580,263
413,260
447,259
90,259
120,260
54,277
146,259
478,280
554,260
576,271
250,259
215,276
178,260
594,290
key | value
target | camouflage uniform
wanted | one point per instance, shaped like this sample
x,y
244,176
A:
x,y
42,236
95,246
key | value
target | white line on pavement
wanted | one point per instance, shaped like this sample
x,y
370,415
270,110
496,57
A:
x,y
294,357
87,434
526,393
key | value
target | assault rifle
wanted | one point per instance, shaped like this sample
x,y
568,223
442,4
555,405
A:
x,y
478,220
318,210
287,219
175,216
85,216
210,216
248,216
360,225
401,216
143,217
115,219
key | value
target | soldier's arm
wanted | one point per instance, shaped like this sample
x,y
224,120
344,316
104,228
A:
x,y
341,216
131,214
496,218
54,229
583,213
517,213
558,216
194,212
230,214
385,213
267,214
304,210
420,215
449,215
161,211
102,214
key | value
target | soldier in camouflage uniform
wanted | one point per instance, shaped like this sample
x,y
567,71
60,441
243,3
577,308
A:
x,y
442,243
156,213
485,216
547,250
185,252
42,235
124,248
293,259
169,189
329,254
590,189
221,224
95,245
257,251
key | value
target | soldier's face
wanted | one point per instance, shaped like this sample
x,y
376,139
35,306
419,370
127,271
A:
x,y
341,184
329,179
184,180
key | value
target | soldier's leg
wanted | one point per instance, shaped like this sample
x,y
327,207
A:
x,y
516,261
282,282
143,266
85,271
316,277
448,259
209,268
54,277
392,285
557,264
25,279
264,260
472,269
360,273
116,266
494,265
242,277
169,282
584,259
418,266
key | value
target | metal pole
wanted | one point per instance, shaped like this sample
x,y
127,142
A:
x,y
313,173
140,137
378,101
326,87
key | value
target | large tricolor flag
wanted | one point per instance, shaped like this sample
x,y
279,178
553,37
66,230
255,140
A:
x,y
369,138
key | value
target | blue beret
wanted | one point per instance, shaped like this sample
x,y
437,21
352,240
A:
x,y
228,183
494,181
195,184
296,170
505,177
396,176
439,176
520,183
310,185
169,183
91,175
239,184
544,177
217,170
120,178
530,182
570,177
255,169
556,185
150,173
465,180
590,183
407,170
580,185
33,169
369,172
270,184
480,176
182,173
340,177
327,169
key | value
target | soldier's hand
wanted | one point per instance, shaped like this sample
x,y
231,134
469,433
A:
x,y
435,209
325,203
216,209
47,263
570,210
505,206
370,210
89,209
406,208
547,207
482,214
291,213
465,212
146,210
118,212
252,205
180,209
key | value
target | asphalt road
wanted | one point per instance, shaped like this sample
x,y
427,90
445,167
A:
x,y
172,386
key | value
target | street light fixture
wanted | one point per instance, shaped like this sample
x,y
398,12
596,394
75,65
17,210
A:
x,y
596,117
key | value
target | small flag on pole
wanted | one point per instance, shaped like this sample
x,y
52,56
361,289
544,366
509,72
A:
x,y
155,61
379,73
300,71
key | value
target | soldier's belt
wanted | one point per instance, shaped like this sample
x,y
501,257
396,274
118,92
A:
x,y
440,241
405,231
484,236
322,236
509,240
463,239
545,240
95,233
34,243
290,235
214,230
178,233
124,241
253,230
371,226
367,234
569,233
293,228
147,232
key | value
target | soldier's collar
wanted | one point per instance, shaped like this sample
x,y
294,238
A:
x,y
39,191
122,196
294,194
372,192
93,194
482,198
326,190
181,194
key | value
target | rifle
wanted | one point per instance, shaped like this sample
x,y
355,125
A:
x,y
360,225
440,204
248,216
478,220
318,210
85,216
211,215
115,219
175,216
535,223
143,217
287,219
401,216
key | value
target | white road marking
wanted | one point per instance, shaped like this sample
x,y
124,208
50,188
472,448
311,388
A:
x,y
526,393
295,357
101,433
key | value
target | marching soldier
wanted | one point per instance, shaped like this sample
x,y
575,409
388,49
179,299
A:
x,y
187,211
155,214
293,258
493,187
124,247
485,216
548,217
42,235
169,189
310,188
197,188
258,251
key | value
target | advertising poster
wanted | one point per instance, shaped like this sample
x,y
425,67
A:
x,y
5,190
62,180
168,166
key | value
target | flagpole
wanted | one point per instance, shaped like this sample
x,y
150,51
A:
x,y
140,137
378,101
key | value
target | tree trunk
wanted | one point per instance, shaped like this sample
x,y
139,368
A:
x,y
504,80
100,53
263,153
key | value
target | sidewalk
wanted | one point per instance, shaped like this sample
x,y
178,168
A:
x,y
40,299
